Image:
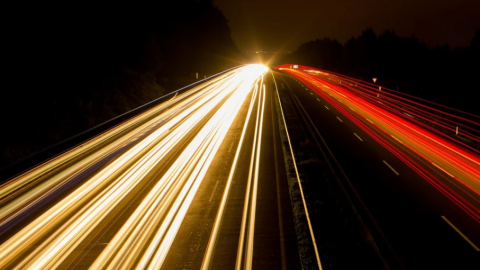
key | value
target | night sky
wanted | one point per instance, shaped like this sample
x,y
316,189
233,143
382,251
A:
x,y
272,25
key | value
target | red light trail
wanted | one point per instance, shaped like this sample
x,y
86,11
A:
x,y
403,124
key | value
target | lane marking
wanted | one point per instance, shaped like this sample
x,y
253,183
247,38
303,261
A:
x,y
327,108
230,149
245,243
461,234
339,119
312,235
279,202
451,175
221,209
311,93
358,136
318,99
213,192
391,168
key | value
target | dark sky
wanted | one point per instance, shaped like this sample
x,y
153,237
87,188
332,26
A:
x,y
270,25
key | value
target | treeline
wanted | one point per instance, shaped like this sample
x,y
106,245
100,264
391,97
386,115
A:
x,y
442,74
72,66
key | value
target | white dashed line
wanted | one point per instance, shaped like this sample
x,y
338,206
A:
x,y
339,119
461,234
391,168
230,149
327,108
311,93
318,99
213,193
358,136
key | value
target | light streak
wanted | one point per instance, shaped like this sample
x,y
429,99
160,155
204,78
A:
x,y
422,147
245,243
135,149
220,214
312,234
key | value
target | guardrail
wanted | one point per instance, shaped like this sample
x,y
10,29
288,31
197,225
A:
x,y
18,167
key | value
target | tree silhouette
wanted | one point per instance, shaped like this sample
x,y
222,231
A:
x,y
74,66
441,74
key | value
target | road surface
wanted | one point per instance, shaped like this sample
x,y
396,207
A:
x,y
147,193
424,228
199,182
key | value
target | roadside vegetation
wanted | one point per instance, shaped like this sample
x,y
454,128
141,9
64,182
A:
x,y
442,73
73,66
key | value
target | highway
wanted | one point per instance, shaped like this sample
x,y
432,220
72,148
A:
x,y
205,160
420,191
209,244
200,181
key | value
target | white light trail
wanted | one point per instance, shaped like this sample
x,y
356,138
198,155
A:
x,y
140,145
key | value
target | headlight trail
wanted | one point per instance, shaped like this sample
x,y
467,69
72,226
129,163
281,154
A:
x,y
221,211
245,243
109,167
23,191
456,165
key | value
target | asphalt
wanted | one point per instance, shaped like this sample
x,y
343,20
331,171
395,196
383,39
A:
x,y
407,211
275,243
91,247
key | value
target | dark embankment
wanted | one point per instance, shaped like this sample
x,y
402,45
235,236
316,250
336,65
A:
x,y
70,67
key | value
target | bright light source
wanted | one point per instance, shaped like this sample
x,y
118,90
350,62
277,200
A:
x,y
149,139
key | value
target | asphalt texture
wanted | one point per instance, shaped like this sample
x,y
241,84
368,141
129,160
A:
x,y
275,242
406,210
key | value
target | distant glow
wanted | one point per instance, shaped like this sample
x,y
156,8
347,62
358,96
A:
x,y
141,144
457,169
